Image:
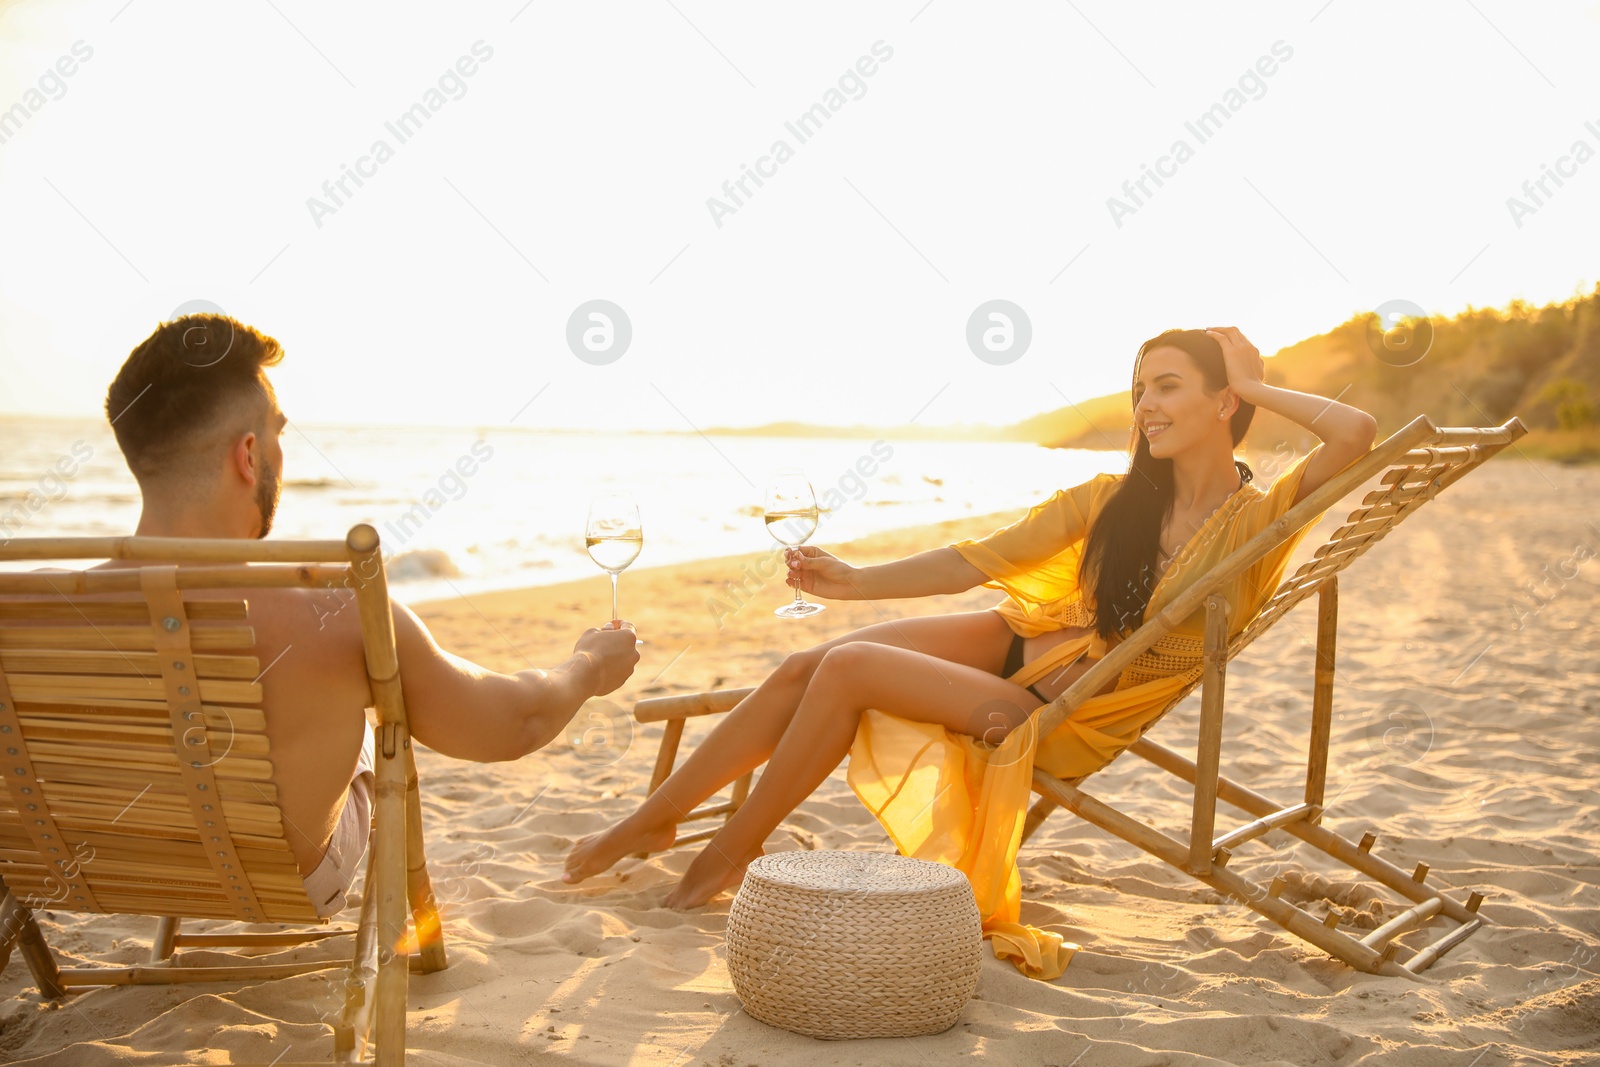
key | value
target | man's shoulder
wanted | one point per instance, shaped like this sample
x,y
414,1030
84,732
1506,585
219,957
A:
x,y
329,616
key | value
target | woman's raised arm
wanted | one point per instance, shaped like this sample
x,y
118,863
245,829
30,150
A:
x,y
1346,432
938,570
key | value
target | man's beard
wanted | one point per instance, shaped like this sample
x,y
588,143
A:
x,y
267,488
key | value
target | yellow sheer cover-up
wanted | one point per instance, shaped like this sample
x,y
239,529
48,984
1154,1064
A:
x,y
950,798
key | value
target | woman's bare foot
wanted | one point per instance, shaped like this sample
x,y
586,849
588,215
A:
x,y
598,852
709,874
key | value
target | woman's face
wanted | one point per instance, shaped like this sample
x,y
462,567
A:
x,y
1170,405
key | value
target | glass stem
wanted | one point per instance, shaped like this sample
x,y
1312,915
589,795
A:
x,y
797,597
614,615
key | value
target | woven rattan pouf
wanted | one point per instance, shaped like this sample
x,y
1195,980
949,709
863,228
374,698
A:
x,y
854,944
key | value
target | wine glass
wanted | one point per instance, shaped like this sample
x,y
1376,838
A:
x,y
791,514
614,537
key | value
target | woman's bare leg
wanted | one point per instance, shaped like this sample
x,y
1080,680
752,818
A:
x,y
850,679
748,735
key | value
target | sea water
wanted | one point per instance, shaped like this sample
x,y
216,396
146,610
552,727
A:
x,y
465,509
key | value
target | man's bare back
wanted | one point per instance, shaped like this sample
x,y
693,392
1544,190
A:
x,y
314,697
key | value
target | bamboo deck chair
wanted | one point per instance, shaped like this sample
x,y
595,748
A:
x,y
136,769
1415,464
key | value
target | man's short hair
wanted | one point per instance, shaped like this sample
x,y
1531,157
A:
x,y
193,379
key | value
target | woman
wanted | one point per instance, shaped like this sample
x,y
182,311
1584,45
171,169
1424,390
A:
x,y
944,695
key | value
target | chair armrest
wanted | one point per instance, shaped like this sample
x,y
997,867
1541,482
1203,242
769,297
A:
x,y
688,705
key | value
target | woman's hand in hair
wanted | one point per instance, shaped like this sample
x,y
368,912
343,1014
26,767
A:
x,y
821,574
1245,366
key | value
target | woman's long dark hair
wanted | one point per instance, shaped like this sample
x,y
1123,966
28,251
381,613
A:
x,y
1122,546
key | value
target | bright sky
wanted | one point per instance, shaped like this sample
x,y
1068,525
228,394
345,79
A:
x,y
575,161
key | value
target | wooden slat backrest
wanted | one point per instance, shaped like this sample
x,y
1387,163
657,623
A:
x,y
1413,475
90,719
113,638
1408,484
99,733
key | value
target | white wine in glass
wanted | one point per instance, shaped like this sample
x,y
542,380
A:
x,y
791,515
614,537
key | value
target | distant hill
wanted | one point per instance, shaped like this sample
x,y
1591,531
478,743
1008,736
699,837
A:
x,y
1541,364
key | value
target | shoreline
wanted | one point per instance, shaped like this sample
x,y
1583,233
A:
x,y
735,563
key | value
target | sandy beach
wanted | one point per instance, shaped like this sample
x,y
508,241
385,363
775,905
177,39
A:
x,y
1464,736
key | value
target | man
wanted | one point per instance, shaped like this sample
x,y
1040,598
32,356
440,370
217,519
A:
x,y
199,424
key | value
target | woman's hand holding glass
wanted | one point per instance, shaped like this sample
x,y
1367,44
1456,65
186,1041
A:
x,y
822,574
791,514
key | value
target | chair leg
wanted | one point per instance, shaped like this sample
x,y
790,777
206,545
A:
x,y
1322,692
1209,755
741,793
351,1035
166,941
19,926
1319,837
666,756
388,879
1177,853
8,933
419,887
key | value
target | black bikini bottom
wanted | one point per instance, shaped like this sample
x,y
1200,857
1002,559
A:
x,y
1014,664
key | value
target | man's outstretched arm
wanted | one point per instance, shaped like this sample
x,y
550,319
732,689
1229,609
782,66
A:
x,y
465,711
